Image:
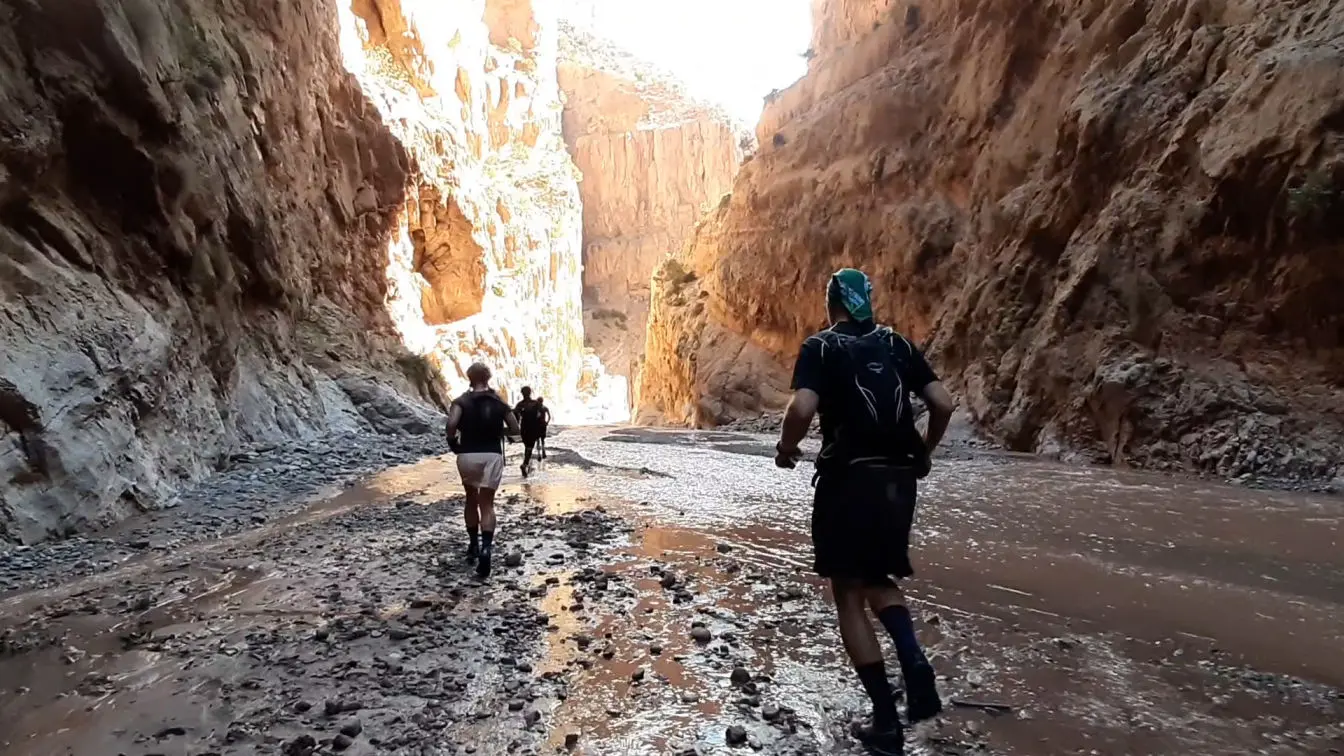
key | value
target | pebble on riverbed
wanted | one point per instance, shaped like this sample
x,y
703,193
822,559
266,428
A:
x,y
740,676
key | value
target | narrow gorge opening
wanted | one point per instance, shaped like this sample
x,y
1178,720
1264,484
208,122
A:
x,y
490,217
487,262
660,107
323,231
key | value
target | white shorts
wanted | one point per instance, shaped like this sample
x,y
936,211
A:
x,y
481,469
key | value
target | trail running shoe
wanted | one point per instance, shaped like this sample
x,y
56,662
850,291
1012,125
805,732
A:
x,y
921,694
884,740
483,563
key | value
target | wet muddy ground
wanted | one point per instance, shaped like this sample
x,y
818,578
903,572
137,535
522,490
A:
x,y
652,594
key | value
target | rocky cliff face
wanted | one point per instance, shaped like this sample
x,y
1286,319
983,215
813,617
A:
x,y
214,235
486,261
653,161
1116,226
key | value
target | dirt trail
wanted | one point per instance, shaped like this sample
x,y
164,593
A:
x,y
1114,614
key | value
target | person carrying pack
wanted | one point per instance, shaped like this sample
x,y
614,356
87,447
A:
x,y
531,416
545,426
477,423
859,377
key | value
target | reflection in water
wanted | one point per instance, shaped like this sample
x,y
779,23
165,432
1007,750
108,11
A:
x,y
1116,612
1012,554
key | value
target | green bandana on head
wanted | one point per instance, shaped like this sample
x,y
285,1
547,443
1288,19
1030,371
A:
x,y
856,292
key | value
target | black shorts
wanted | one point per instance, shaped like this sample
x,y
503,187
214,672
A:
x,y
531,437
861,518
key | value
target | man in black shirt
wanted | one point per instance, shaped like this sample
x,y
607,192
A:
x,y
529,413
545,426
859,376
477,422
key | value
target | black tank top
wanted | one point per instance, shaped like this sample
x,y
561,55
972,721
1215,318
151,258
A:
x,y
482,427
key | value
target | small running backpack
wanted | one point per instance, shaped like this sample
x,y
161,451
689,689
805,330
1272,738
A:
x,y
482,421
533,416
877,423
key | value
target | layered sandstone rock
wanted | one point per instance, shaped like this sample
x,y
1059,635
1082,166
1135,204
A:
x,y
212,234
653,161
1115,225
485,262
194,206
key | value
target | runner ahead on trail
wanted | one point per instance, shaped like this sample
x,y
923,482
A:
x,y
477,423
545,425
859,376
532,415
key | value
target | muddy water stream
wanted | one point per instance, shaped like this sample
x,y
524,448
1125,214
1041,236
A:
x,y
1107,612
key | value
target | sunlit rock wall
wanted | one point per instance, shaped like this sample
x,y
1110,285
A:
x,y
213,235
486,261
653,161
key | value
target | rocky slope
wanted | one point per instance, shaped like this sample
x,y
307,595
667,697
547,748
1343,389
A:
x,y
216,237
1115,225
653,161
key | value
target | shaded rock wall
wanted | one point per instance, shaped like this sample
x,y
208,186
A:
x,y
213,235
653,161
1116,226
181,270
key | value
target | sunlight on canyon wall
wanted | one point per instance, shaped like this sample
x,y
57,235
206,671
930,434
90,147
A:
x,y
486,261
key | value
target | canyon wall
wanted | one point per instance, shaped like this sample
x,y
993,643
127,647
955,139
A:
x,y
485,264
213,235
653,161
1116,227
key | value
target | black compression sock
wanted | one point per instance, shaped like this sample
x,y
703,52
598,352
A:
x,y
874,679
901,628
472,535
487,539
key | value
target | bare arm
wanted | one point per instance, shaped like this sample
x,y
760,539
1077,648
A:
x,y
797,419
454,418
940,413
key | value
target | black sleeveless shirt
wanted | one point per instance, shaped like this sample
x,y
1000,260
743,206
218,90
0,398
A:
x,y
482,427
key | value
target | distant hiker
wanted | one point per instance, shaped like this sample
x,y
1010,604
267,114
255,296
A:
x,y
477,422
531,415
859,375
545,425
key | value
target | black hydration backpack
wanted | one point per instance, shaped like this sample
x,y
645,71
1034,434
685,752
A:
x,y
876,422
482,424
534,416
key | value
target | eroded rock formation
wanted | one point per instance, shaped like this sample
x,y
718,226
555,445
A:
x,y
1115,225
178,274
653,161
486,261
213,235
